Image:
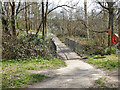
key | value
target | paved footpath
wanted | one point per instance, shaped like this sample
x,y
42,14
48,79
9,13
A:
x,y
77,74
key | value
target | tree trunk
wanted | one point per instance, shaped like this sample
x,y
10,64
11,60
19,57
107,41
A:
x,y
110,26
111,21
13,20
46,17
104,24
26,19
119,30
108,32
43,32
36,16
86,18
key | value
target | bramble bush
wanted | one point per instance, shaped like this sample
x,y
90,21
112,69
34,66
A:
x,y
26,46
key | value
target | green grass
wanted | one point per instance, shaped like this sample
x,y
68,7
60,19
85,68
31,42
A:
x,y
100,82
35,31
61,39
106,61
15,74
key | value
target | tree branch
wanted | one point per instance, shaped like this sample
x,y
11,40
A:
x,y
60,6
24,8
99,31
102,5
18,8
39,27
10,4
83,22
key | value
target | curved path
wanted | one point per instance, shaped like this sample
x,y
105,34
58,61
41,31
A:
x,y
77,74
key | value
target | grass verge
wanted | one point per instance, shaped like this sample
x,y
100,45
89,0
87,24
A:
x,y
105,62
108,63
15,73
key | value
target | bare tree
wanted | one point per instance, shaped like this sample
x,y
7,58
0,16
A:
x,y
86,17
45,14
13,10
110,9
12,4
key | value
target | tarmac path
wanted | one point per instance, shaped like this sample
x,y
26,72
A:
x,y
77,74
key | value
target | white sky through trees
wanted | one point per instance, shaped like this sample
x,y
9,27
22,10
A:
x,y
91,4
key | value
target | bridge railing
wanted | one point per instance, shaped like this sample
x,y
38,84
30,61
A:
x,y
82,49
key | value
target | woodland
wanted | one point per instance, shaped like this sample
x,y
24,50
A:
x,y
26,42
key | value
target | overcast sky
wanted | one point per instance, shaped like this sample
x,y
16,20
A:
x,y
90,3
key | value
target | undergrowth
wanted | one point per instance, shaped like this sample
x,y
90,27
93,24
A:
x,y
26,46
